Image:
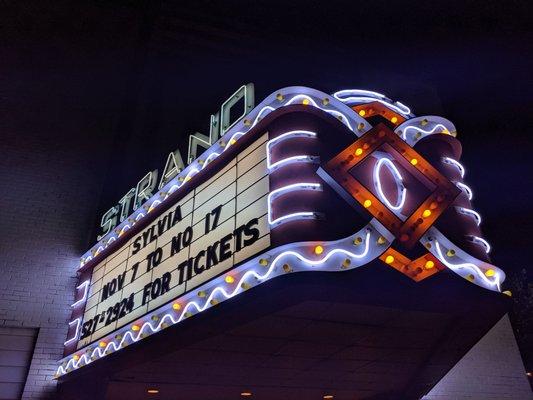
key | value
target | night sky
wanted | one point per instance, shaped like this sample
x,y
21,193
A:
x,y
138,77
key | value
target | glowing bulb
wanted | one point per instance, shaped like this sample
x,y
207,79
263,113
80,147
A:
x,y
305,102
358,151
232,141
394,120
429,264
426,213
367,203
508,293
152,391
414,161
246,394
102,344
229,279
263,262
135,327
358,240
362,113
176,306
76,357
328,396
389,259
319,249
490,272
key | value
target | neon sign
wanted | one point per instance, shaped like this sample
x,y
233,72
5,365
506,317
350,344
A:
x,y
283,199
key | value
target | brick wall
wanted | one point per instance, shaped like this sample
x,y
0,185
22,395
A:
x,y
48,202
66,70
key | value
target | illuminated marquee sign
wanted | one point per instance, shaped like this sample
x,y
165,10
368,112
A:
x,y
302,182
217,225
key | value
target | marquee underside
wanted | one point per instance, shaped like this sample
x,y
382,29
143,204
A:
x,y
370,333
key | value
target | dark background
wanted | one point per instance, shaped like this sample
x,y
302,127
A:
x,y
118,85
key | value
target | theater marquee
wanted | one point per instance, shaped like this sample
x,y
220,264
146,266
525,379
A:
x,y
305,181
213,227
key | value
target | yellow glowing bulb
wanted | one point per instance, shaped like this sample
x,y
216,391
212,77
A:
x,y
508,293
152,391
229,279
319,249
76,357
176,306
429,264
414,161
135,328
102,344
305,102
232,141
426,213
367,203
394,120
389,259
490,272
362,113
358,151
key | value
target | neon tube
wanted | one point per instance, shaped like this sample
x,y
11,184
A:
x,y
456,164
404,131
399,183
471,213
480,241
288,135
85,286
286,189
362,96
470,266
77,321
466,189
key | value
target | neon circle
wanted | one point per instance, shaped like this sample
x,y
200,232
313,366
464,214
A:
x,y
399,184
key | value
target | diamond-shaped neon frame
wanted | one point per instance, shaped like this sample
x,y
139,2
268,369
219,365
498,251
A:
x,y
408,232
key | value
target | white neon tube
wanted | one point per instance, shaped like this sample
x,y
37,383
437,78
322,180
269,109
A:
x,y
85,286
471,213
480,241
466,189
299,158
286,189
470,266
399,183
456,164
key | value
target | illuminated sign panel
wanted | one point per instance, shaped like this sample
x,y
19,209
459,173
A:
x,y
303,182
217,225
